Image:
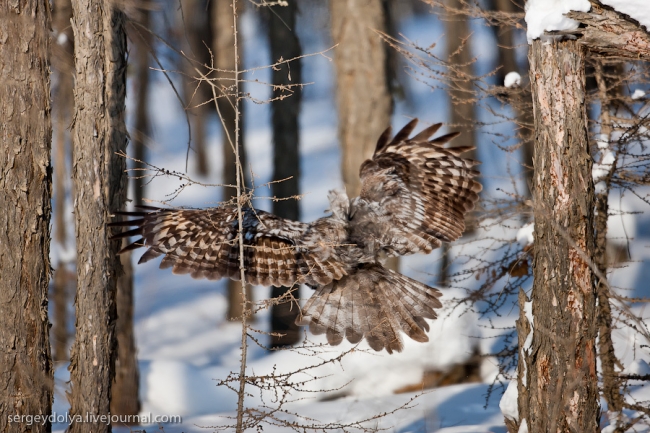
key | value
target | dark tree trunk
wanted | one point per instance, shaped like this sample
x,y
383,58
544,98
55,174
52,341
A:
x,y
286,156
25,192
62,102
560,391
608,360
99,189
125,391
228,102
126,385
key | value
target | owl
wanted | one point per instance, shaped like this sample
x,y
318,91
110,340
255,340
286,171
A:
x,y
415,193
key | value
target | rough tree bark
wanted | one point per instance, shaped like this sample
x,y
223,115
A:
x,y
605,31
560,390
25,192
223,46
99,182
286,155
62,102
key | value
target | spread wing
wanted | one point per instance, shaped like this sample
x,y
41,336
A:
x,y
205,244
420,191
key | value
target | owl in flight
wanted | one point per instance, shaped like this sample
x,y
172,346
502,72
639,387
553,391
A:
x,y
414,196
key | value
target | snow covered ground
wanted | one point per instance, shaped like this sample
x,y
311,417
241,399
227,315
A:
x,y
185,346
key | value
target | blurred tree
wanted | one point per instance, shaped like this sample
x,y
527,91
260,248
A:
x,y
62,103
462,97
286,156
25,193
196,30
364,101
362,85
229,104
126,384
98,133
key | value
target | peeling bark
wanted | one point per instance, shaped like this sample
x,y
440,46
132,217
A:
x,y
562,391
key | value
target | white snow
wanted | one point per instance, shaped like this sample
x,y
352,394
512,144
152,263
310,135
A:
x,y
61,38
525,234
508,404
523,427
512,79
548,15
636,9
601,169
638,94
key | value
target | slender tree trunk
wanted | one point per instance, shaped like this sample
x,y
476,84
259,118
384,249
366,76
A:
x,y
99,189
461,94
228,102
195,30
560,390
286,155
606,353
62,101
126,385
25,192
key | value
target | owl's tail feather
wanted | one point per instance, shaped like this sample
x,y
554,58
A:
x,y
375,303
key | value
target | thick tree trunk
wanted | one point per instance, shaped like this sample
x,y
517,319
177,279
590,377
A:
x,y
228,102
99,189
561,385
286,155
25,192
364,101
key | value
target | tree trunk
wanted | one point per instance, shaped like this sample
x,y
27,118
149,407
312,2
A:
x,y
561,386
195,31
286,155
126,385
25,192
228,102
362,86
611,383
99,189
62,102
364,102
461,94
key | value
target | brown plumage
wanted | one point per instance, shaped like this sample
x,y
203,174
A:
x,y
414,196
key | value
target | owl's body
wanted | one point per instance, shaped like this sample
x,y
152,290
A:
x,y
414,195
